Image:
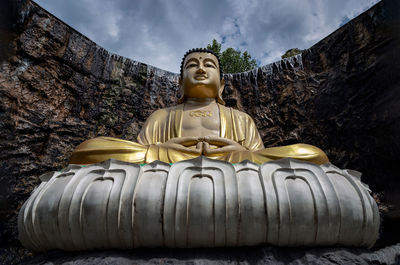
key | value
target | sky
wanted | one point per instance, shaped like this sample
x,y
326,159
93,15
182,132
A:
x,y
159,32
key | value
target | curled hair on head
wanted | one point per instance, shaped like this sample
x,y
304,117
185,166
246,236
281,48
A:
x,y
204,50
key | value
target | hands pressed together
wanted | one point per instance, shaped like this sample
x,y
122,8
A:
x,y
208,145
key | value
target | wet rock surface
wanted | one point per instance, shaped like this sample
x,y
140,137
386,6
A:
x,y
58,88
255,255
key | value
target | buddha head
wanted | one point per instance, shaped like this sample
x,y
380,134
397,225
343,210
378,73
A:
x,y
201,76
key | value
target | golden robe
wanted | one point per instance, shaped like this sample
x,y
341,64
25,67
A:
x,y
166,124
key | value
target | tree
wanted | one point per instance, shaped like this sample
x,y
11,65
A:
x,y
291,52
215,47
232,61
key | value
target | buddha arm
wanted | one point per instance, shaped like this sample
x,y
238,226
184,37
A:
x,y
304,152
240,127
246,130
156,141
102,148
162,125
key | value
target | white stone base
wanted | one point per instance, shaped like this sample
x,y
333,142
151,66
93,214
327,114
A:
x,y
198,203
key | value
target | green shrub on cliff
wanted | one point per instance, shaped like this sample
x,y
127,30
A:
x,y
232,61
291,52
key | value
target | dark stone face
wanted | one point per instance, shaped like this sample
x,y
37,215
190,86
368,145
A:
x,y
58,89
224,256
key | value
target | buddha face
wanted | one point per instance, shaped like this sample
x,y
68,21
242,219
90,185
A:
x,y
201,78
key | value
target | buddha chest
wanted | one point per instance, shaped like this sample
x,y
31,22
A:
x,y
202,121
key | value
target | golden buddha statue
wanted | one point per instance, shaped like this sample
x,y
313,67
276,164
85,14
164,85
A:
x,y
199,125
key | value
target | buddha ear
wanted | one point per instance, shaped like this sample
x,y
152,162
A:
x,y
222,84
221,89
181,99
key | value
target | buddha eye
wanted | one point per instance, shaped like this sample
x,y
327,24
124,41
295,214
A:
x,y
191,65
209,65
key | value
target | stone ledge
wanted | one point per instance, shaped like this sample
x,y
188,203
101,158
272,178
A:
x,y
250,255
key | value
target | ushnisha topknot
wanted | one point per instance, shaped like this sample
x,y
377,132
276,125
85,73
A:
x,y
204,50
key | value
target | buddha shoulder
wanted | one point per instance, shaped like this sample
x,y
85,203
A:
x,y
162,114
236,114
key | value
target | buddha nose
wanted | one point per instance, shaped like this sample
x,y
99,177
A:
x,y
200,70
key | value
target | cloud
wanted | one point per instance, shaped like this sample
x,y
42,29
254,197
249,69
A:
x,y
159,32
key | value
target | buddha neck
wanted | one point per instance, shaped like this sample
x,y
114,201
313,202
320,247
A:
x,y
199,101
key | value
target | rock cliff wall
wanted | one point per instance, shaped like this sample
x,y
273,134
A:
x,y
58,88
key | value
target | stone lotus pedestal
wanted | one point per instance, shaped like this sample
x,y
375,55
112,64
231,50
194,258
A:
x,y
198,203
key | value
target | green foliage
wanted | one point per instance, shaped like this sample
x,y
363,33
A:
x,y
291,52
232,61
215,47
